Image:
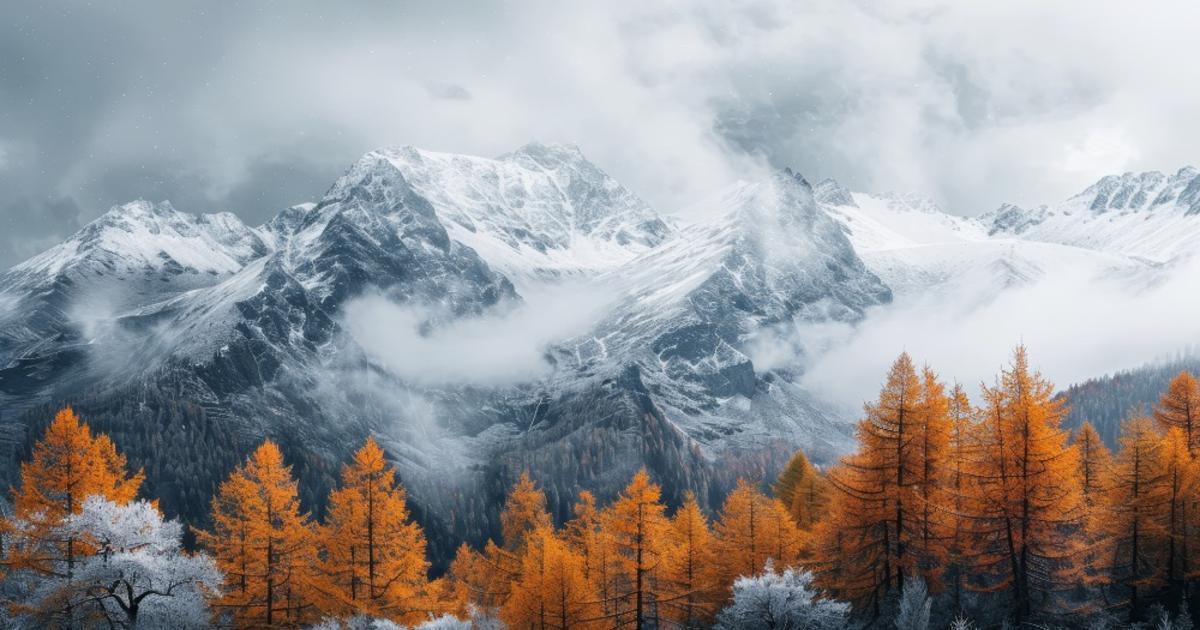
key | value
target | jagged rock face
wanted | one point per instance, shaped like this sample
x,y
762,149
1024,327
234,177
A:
x,y
1113,215
773,257
1143,190
1013,220
831,193
52,306
243,327
539,212
696,302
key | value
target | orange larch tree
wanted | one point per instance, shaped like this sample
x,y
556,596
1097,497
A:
x,y
601,564
752,529
485,578
580,531
856,550
803,490
635,529
1030,494
551,590
68,465
693,590
1180,469
524,512
887,522
741,536
932,432
264,544
1139,506
1095,477
1179,407
374,555
958,492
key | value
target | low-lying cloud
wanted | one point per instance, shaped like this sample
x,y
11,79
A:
x,y
1075,325
497,349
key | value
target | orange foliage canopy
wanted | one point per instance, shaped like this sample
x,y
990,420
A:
x,y
68,465
264,544
374,555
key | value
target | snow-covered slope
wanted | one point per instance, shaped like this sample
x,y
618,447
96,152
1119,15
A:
x,y
694,304
542,211
920,250
246,324
1148,215
149,236
135,254
882,222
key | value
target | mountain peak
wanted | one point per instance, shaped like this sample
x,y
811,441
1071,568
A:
x,y
788,177
140,208
543,209
829,192
1147,190
547,152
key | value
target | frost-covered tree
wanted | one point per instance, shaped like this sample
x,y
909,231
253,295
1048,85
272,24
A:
x,y
781,601
961,623
137,576
914,606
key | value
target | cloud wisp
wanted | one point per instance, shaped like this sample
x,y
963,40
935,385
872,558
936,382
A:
x,y
1076,326
240,110
506,347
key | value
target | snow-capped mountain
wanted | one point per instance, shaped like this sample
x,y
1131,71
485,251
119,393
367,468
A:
x,y
1148,215
246,324
694,304
540,211
221,334
135,254
918,249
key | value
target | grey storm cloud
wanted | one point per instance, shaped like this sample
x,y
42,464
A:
x,y
253,106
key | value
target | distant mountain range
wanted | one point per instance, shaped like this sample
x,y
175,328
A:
x,y
192,337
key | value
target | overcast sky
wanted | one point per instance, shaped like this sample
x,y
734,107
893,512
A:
x,y
253,106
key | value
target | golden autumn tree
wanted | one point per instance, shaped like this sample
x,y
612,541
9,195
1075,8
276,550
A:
x,y
958,491
1180,470
849,551
635,529
580,532
524,512
1139,505
1028,489
264,544
68,465
551,590
1095,476
803,490
601,564
750,530
1179,407
885,522
933,429
693,590
740,533
374,555
485,578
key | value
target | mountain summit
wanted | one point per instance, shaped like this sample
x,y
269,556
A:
x,y
198,336
1149,215
219,334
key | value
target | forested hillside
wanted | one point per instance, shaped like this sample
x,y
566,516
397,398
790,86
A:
x,y
951,513
1106,401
